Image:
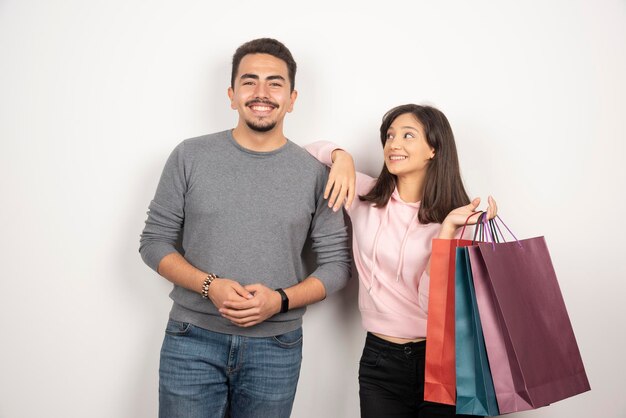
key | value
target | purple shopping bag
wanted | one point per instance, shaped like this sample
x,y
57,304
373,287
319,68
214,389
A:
x,y
532,351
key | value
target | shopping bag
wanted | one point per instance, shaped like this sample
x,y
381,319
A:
x,y
531,347
505,373
475,393
439,373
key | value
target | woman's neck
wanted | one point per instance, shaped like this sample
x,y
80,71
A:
x,y
410,188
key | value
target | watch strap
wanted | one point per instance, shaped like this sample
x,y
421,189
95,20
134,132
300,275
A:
x,y
284,305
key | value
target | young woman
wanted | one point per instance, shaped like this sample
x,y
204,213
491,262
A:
x,y
418,196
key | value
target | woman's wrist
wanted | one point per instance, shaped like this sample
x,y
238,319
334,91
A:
x,y
337,153
447,231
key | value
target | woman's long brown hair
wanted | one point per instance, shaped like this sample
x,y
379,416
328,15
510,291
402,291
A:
x,y
443,187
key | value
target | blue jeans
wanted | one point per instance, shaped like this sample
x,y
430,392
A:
x,y
207,374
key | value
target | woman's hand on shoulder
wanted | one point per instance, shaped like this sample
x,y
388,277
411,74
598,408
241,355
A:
x,y
340,189
459,216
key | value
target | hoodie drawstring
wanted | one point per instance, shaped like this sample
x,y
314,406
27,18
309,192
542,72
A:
x,y
404,240
378,231
385,221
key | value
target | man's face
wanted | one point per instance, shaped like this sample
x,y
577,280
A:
x,y
261,92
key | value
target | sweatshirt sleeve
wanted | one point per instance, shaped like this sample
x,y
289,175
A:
x,y
329,237
164,224
323,150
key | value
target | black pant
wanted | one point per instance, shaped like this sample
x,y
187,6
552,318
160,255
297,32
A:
x,y
391,381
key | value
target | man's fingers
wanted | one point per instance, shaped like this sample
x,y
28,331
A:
x,y
253,288
239,314
240,305
246,324
241,291
243,322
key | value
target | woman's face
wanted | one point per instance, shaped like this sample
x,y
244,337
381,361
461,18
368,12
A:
x,y
406,151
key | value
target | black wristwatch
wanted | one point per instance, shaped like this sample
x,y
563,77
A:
x,y
284,305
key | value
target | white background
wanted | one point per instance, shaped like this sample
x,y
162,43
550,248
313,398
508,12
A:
x,y
95,94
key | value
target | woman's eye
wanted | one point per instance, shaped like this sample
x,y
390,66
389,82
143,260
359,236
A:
x,y
408,136
389,136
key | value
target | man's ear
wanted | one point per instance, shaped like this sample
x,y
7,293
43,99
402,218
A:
x,y
294,96
231,94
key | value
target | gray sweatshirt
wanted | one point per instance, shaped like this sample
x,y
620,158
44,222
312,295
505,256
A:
x,y
244,215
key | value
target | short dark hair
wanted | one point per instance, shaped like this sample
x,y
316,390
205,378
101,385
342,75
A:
x,y
443,186
264,46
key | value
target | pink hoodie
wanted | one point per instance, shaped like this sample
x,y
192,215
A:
x,y
391,250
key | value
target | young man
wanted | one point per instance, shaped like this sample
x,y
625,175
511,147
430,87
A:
x,y
231,214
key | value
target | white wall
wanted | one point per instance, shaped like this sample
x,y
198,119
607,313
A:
x,y
95,94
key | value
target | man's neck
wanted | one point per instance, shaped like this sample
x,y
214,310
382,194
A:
x,y
259,141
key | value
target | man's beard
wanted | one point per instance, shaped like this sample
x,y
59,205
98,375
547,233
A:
x,y
255,126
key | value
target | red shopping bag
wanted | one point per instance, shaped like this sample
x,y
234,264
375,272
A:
x,y
440,371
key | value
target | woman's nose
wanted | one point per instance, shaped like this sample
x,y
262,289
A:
x,y
393,143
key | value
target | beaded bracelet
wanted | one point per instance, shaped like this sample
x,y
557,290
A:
x,y
205,285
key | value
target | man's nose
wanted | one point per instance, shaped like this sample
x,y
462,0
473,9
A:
x,y
261,90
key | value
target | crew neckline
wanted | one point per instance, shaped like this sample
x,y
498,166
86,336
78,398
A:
x,y
231,138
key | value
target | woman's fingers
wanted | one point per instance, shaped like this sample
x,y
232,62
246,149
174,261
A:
x,y
329,186
474,204
339,190
350,193
334,194
339,193
492,209
341,197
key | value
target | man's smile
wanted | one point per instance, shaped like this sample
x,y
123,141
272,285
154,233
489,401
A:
x,y
261,107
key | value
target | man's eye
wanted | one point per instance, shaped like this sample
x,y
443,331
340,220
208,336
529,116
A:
x,y
248,83
276,85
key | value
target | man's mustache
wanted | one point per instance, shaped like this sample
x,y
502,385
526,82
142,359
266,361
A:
x,y
261,101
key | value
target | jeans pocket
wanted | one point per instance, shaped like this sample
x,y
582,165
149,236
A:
x,y
370,357
177,328
289,339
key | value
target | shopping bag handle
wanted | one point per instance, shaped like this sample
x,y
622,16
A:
x,y
497,218
488,230
478,231
489,234
467,220
494,233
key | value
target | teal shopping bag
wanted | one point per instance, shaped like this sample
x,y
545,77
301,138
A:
x,y
475,394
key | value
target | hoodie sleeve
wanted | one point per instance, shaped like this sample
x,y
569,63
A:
x,y
323,150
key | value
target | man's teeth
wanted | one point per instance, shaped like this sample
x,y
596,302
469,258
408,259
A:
x,y
397,157
262,108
